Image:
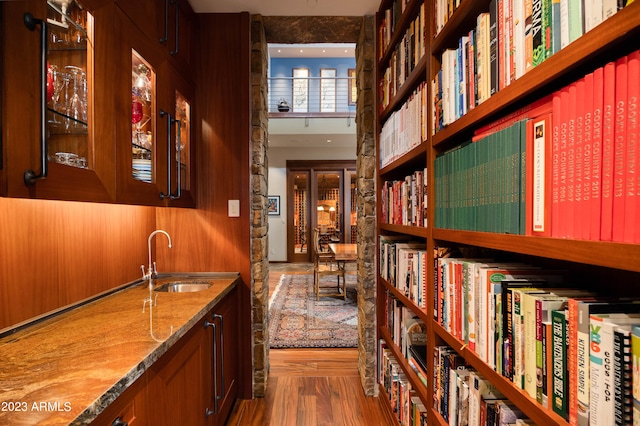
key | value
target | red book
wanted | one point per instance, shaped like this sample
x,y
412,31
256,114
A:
x,y
569,224
631,233
595,197
555,164
579,220
608,119
539,175
587,157
562,219
619,151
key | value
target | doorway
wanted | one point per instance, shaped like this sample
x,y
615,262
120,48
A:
x,y
320,194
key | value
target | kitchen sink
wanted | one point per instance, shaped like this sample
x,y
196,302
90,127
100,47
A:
x,y
183,286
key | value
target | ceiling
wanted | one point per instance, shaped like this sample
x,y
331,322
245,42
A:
x,y
288,7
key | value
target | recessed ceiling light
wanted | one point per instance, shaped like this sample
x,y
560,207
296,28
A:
x,y
328,140
301,50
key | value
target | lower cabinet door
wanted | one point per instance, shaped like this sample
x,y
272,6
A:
x,y
224,362
176,389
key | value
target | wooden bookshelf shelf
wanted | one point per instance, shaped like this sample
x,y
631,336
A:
x,y
601,253
609,267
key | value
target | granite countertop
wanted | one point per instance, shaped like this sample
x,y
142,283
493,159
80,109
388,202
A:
x,y
68,368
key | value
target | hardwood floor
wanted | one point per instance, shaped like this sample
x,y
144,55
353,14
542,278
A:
x,y
311,386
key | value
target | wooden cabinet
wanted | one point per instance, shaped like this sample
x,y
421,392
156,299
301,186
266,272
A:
x,y
108,129
129,408
591,263
223,325
147,158
170,23
194,383
66,134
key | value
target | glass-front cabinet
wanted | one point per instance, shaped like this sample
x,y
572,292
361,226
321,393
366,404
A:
x,y
93,109
57,141
154,148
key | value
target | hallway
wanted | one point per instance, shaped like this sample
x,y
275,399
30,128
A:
x,y
310,386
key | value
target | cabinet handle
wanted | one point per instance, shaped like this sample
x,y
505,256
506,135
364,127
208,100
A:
x,y
169,195
166,22
119,422
177,40
214,362
218,316
30,177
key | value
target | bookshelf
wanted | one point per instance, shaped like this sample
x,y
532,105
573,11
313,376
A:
x,y
609,40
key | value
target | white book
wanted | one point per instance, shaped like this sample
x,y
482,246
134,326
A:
x,y
601,391
564,23
609,8
518,36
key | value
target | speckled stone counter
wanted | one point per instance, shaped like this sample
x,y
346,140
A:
x,y
68,368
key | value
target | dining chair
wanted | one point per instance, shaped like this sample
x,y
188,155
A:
x,y
324,264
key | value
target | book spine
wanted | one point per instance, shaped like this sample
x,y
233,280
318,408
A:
x,y
622,377
598,389
538,54
631,228
528,35
619,149
595,208
493,47
608,125
559,390
635,371
587,157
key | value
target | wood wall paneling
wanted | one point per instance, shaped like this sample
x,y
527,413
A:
x,y
54,253
206,239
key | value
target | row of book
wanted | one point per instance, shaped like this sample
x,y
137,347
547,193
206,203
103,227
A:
x,y
405,128
464,397
443,10
388,23
405,403
407,52
405,265
481,186
404,202
508,41
577,175
568,349
406,329
592,178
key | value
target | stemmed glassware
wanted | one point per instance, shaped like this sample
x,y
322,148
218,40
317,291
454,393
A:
x,y
76,108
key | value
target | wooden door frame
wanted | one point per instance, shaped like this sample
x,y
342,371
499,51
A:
x,y
345,167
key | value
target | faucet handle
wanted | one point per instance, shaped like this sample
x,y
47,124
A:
x,y
155,271
144,274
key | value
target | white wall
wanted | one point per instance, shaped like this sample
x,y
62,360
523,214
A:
x,y
278,186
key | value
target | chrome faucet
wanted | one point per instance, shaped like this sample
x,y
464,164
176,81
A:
x,y
151,270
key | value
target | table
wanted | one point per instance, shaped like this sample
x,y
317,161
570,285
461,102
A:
x,y
344,252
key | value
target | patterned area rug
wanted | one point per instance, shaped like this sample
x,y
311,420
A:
x,y
297,320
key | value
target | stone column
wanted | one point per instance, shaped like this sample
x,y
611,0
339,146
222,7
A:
x,y
260,220
366,204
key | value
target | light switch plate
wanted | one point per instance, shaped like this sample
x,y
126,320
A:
x,y
234,208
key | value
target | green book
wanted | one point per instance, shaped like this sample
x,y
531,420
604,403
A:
x,y
560,381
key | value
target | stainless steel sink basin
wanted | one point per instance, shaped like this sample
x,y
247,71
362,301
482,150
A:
x,y
183,286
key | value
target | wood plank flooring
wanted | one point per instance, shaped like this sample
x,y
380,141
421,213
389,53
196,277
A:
x,y
311,387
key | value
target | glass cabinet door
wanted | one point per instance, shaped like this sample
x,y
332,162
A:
x,y
68,100
143,78
56,57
